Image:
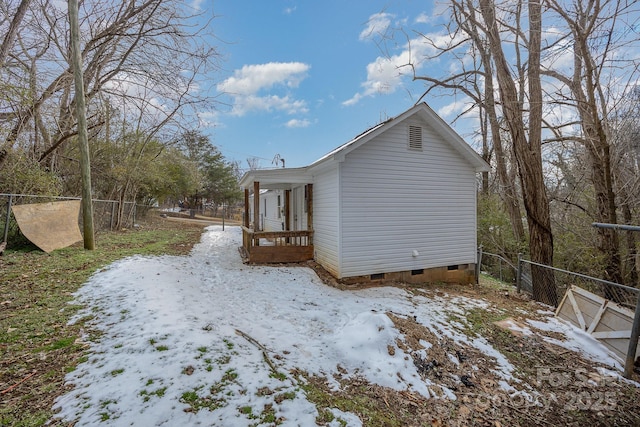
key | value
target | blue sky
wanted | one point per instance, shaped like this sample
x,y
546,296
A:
x,y
300,78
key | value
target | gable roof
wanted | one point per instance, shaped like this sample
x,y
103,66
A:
x,y
276,178
427,114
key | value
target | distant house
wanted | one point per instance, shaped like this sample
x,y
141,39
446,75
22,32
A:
x,y
398,202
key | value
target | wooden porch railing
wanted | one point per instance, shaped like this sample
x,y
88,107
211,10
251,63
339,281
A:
x,y
277,246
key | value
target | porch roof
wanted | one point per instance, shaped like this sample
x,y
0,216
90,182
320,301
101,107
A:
x,y
275,179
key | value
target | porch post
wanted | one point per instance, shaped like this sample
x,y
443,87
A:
x,y
309,206
246,207
256,206
287,210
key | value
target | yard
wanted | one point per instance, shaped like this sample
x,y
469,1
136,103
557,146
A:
x,y
203,339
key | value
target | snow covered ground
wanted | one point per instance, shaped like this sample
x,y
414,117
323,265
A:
x,y
183,339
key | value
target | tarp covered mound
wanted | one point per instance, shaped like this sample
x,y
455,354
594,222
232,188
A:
x,y
51,225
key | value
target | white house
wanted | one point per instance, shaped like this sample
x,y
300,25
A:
x,y
398,202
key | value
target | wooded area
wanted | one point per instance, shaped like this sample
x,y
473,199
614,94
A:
x,y
552,88
144,64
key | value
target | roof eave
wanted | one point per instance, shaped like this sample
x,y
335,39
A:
x,y
275,178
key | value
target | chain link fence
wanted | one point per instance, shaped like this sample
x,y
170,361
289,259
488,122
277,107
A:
x,y
105,214
556,282
548,284
497,266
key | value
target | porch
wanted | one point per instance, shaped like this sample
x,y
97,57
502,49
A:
x,y
294,243
277,246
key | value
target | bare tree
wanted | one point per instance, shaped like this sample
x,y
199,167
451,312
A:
x,y
496,35
477,83
10,35
595,40
141,55
624,128
526,137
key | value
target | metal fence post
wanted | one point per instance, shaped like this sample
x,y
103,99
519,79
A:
x,y
113,215
6,224
478,264
519,274
633,342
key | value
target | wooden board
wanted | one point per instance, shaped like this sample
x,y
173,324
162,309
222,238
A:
x,y
49,226
605,320
278,254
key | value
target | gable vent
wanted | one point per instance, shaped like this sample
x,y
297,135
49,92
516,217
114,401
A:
x,y
415,138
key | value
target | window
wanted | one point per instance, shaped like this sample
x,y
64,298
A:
x,y
279,206
415,138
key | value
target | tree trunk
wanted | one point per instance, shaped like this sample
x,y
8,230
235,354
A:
x,y
508,186
85,166
528,152
10,36
597,146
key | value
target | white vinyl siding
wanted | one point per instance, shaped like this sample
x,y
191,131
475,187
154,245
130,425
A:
x,y
325,220
395,201
269,218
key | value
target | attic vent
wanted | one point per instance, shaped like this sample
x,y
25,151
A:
x,y
415,138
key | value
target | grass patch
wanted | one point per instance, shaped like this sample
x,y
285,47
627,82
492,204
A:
x,y
357,397
223,360
197,402
246,410
478,321
278,375
62,343
229,376
37,290
146,395
288,395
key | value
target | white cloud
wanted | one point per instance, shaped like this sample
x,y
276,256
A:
x,y
253,78
377,24
210,119
353,100
290,10
385,75
245,104
423,18
455,108
248,84
297,123
197,4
